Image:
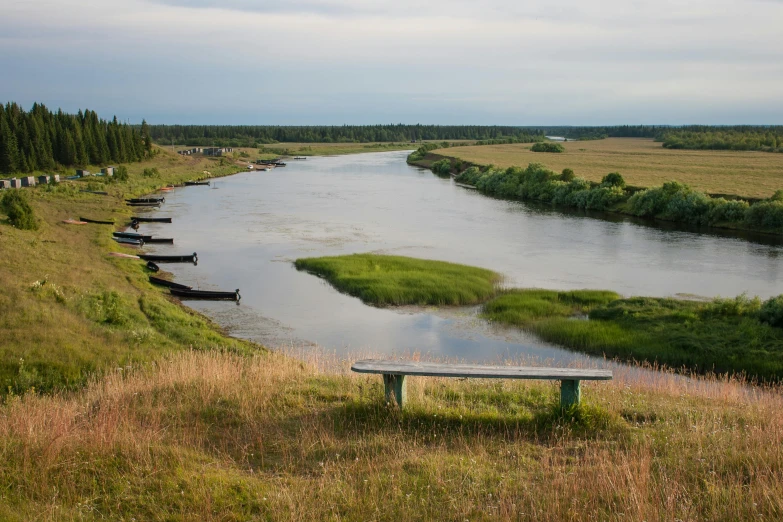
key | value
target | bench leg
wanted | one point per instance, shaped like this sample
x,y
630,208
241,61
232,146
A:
x,y
570,393
395,389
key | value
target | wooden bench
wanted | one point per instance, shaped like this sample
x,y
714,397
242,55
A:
x,y
394,373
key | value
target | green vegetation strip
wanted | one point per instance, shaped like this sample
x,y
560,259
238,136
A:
x,y
739,335
395,280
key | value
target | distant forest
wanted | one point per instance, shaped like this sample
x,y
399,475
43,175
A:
x,y
692,136
767,139
255,135
40,139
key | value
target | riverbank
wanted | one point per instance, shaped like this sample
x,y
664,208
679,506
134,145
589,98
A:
x,y
673,201
167,418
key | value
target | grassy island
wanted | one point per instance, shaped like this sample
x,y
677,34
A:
x,y
382,280
739,335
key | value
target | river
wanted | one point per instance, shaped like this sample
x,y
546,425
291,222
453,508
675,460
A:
x,y
248,229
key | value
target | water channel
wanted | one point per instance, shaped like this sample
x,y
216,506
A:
x,y
248,229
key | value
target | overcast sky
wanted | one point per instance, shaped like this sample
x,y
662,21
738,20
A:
x,y
512,62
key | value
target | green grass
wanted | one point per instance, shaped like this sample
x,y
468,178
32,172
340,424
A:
x,y
68,313
723,336
395,280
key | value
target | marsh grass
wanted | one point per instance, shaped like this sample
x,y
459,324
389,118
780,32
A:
x,y
215,436
382,280
723,335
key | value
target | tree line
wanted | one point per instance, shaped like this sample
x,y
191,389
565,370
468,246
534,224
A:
x,y
255,135
40,139
768,139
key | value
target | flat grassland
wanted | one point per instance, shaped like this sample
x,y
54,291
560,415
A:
x,y
644,163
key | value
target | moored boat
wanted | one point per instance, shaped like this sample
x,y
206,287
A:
x,y
150,204
129,241
123,255
195,183
191,258
74,222
96,221
150,220
132,235
205,294
170,284
166,240
152,266
145,200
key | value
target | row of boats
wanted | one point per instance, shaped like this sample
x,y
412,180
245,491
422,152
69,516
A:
x,y
139,240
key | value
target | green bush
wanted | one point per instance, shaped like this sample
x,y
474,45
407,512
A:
x,y
567,175
613,180
121,174
20,213
547,146
442,167
772,311
151,173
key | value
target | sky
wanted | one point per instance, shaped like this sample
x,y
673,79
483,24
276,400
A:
x,y
334,62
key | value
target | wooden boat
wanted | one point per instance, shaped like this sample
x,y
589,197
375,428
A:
x,y
280,164
152,204
98,192
170,284
192,258
132,235
166,189
124,256
74,222
150,220
96,221
129,241
300,158
195,183
152,266
166,240
145,200
205,294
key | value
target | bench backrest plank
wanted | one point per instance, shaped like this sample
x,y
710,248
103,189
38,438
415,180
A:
x,y
478,371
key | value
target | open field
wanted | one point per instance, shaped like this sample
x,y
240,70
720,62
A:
x,y
644,163
213,436
383,280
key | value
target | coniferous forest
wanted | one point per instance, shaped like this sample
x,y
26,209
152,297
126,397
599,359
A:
x,y
40,139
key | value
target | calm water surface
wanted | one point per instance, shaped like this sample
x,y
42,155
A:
x,y
250,228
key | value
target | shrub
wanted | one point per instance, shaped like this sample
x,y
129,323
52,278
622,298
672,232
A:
x,y
547,146
613,180
121,174
151,173
442,167
567,175
765,214
772,311
20,213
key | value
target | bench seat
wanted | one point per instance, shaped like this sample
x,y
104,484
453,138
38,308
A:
x,y
394,373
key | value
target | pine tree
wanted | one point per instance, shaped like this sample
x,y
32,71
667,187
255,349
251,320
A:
x,y
8,148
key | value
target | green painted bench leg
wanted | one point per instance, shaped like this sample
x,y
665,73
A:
x,y
570,393
394,386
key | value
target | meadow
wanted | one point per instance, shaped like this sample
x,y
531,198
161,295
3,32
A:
x,y
118,403
383,280
643,163
215,436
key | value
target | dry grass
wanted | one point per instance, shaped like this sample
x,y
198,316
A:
x,y
644,163
207,436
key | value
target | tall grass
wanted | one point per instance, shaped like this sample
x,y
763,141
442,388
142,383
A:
x,y
209,436
395,280
724,335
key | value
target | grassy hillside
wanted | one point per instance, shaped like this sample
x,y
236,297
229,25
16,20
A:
x,y
67,310
644,163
